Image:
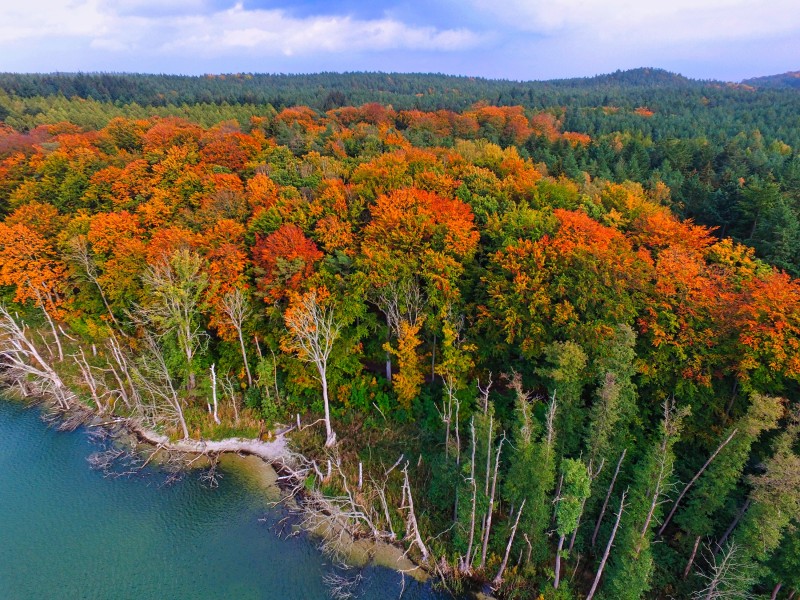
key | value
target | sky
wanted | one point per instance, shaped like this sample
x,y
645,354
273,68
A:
x,y
509,39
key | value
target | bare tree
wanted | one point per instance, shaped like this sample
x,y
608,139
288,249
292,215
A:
x,y
399,300
592,476
728,576
42,300
153,376
499,577
89,380
237,308
21,359
660,484
313,329
214,391
466,563
550,421
176,285
490,510
412,529
78,253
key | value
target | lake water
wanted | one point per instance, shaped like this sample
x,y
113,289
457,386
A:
x,y
66,531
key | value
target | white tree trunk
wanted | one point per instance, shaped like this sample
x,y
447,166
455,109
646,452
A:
x,y
557,579
606,552
214,392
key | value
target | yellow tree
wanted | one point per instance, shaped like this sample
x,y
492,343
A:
x,y
413,252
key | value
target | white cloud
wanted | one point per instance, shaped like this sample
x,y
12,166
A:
x,y
135,25
518,39
264,31
654,21
28,19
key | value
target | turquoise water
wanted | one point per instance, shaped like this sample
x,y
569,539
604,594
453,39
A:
x,y
66,531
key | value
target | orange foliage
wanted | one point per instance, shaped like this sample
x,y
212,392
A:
x,y
409,219
133,185
577,139
770,327
382,174
335,234
169,132
228,147
108,229
303,116
660,230
286,259
167,240
579,231
546,125
409,378
262,193
39,217
227,261
30,263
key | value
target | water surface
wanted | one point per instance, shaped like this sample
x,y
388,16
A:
x,y
66,531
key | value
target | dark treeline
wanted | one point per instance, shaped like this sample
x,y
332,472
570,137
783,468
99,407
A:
x,y
683,107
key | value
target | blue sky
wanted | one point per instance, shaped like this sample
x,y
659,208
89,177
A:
x,y
512,39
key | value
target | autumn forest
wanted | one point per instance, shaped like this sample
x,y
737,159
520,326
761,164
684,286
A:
x,y
549,343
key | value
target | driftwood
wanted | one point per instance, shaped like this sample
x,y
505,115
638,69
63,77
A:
x,y
275,452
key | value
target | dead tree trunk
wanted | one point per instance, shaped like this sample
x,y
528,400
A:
x,y
694,479
499,577
606,552
491,503
214,391
88,379
78,251
733,525
467,562
236,307
412,529
776,590
558,495
52,328
21,359
314,330
592,476
692,556
558,562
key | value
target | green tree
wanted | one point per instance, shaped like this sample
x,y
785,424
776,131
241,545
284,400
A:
x,y
574,491
631,566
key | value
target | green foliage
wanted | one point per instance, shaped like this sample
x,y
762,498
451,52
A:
x,y
535,238
574,490
565,374
709,494
631,567
531,477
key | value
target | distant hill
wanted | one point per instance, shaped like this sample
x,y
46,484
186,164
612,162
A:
x,y
403,90
642,77
782,81
649,102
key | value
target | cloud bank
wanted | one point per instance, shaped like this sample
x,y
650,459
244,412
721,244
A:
x,y
518,39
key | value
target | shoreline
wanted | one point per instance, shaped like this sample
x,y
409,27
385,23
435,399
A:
x,y
275,466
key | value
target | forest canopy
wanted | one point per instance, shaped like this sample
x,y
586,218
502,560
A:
x,y
599,395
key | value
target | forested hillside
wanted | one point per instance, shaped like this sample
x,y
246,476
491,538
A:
x,y
582,394
727,152
783,80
